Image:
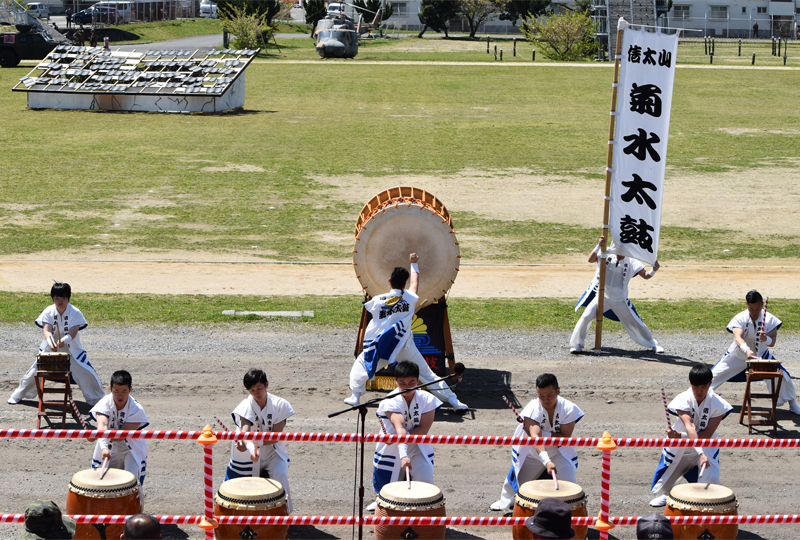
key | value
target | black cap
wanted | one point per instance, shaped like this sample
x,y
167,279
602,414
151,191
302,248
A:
x,y
43,521
553,519
654,527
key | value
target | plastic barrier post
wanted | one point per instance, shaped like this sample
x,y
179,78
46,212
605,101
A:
x,y
603,523
208,523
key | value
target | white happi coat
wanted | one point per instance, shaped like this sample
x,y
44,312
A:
x,y
618,276
711,407
276,411
386,463
732,365
566,412
131,412
390,327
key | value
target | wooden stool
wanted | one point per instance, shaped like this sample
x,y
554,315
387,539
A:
x,y
53,367
768,371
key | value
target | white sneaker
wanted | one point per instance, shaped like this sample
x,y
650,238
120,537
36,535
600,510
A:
x,y
793,406
353,400
658,349
500,506
13,401
457,405
661,500
371,507
576,350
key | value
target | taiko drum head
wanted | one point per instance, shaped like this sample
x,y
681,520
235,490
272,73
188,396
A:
x,y
115,483
251,494
531,493
400,221
705,497
421,496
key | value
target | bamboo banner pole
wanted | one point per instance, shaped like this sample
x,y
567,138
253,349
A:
x,y
612,126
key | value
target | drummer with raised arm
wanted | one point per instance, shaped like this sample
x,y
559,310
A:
x,y
388,337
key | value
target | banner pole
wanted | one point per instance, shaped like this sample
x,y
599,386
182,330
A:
x,y
601,290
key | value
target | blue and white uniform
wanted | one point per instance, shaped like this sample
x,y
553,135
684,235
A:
x,y
615,305
732,366
82,371
388,339
128,454
273,457
563,457
677,462
386,463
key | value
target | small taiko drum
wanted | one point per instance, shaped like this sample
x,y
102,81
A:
x,y
532,493
702,500
251,497
53,361
117,494
400,221
421,500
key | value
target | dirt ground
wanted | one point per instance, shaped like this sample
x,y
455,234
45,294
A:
x,y
183,377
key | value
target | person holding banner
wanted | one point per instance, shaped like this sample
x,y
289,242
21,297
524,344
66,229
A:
x,y
619,272
699,411
550,415
388,338
754,332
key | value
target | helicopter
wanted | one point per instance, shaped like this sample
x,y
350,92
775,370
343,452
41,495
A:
x,y
337,34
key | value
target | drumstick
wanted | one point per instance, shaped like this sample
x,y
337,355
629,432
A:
x,y
666,409
510,406
52,342
103,468
702,470
555,480
408,477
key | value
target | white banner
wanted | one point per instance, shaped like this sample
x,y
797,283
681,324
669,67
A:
x,y
644,100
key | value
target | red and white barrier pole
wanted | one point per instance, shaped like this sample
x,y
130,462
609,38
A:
x,y
208,523
603,522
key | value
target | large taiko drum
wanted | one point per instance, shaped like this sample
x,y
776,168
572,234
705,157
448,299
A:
x,y
117,494
251,497
532,493
400,221
422,499
702,500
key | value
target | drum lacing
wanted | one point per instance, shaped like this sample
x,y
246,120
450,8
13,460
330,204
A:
x,y
101,490
703,503
252,502
411,504
537,501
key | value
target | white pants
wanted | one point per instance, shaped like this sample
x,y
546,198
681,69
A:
x,y
359,375
84,375
277,468
533,468
689,460
630,321
730,366
421,469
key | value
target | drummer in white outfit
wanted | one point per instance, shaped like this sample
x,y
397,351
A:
x,y
60,324
754,332
619,272
388,338
548,416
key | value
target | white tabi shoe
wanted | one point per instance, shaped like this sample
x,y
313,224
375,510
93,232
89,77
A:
x,y
13,401
658,349
659,501
793,406
576,350
500,506
353,400
371,507
457,405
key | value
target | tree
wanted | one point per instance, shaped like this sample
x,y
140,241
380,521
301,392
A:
x,y
268,8
315,11
477,12
436,14
251,31
368,8
565,37
512,10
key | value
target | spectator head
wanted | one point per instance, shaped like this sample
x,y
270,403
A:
x,y
553,519
43,521
654,527
141,527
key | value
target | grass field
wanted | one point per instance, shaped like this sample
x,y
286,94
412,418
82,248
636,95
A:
x,y
342,311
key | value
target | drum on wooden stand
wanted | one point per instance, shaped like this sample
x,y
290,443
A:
x,y
400,221
531,494
702,500
53,361
251,497
117,494
422,499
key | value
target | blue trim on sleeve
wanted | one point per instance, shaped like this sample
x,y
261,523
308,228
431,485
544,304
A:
x,y
84,326
36,322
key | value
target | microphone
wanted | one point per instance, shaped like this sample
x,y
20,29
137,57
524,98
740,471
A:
x,y
459,369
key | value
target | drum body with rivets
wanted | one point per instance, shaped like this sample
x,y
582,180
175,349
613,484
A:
x,y
423,499
702,500
117,494
250,496
531,494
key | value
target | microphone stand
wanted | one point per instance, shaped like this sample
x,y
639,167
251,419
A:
x,y
362,410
